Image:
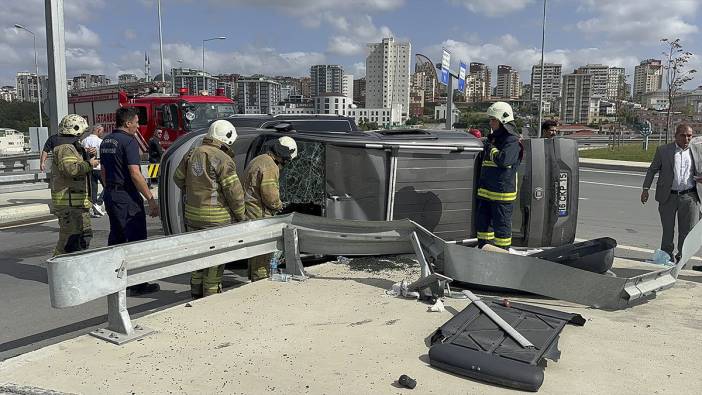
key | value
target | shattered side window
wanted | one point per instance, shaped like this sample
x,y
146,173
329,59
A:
x,y
302,180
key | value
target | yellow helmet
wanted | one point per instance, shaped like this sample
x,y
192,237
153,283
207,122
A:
x,y
73,125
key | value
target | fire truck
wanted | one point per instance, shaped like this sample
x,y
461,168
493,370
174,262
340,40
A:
x,y
174,115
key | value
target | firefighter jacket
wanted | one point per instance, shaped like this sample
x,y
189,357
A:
x,y
70,187
501,157
213,192
261,187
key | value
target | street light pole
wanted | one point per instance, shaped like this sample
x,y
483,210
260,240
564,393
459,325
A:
x,y
541,87
36,67
160,46
203,56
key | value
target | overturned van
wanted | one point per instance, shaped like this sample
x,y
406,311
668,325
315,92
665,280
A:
x,y
428,176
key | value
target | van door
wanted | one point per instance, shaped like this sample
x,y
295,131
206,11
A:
x,y
356,182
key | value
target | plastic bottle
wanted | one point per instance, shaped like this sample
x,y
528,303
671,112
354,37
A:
x,y
273,266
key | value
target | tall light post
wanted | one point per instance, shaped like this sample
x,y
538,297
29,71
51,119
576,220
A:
x,y
203,56
160,45
541,87
36,66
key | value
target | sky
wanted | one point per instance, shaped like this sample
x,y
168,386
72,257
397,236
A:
x,y
286,37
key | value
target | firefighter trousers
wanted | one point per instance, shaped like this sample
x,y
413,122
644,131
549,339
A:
x,y
205,282
75,231
494,223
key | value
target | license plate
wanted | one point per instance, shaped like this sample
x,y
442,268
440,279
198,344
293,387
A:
x,y
563,194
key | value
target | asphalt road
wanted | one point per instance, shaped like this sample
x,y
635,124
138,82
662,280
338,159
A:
x,y
27,320
609,206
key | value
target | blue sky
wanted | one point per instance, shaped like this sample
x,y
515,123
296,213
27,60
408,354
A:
x,y
285,37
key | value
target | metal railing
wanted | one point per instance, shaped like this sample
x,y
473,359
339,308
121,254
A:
x,y
81,277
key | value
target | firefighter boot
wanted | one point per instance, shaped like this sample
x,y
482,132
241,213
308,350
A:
x,y
212,280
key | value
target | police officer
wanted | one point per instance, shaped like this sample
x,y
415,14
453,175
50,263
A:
x,y
497,188
70,190
213,195
261,189
125,185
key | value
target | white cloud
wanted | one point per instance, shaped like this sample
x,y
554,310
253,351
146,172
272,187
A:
x,y
82,37
307,8
493,8
641,21
129,34
359,70
355,33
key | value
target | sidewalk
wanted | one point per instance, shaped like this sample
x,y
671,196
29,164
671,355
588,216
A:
x,y
609,164
339,333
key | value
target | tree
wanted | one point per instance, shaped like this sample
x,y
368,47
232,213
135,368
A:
x,y
19,116
676,75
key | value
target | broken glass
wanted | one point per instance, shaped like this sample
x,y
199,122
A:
x,y
302,180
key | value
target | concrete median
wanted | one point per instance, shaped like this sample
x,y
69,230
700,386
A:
x,y
21,213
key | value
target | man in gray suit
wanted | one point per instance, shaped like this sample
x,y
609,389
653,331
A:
x,y
678,188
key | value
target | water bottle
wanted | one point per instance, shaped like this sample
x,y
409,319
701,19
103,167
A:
x,y
273,266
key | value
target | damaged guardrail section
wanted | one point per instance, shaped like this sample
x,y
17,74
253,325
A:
x,y
81,277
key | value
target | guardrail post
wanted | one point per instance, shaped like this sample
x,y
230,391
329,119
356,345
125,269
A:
x,y
119,326
291,248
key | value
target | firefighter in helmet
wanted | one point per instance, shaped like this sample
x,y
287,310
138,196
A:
x,y
213,195
261,187
70,186
497,188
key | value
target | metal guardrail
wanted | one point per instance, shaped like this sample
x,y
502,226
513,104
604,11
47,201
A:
x,y
81,277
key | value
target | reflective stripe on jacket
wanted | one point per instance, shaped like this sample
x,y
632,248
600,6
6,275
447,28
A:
x,y
69,181
261,187
501,158
213,193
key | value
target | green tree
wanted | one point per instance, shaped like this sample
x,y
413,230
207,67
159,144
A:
x,y
19,116
676,75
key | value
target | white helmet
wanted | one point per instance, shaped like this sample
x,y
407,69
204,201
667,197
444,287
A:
x,y
286,148
501,111
222,131
73,124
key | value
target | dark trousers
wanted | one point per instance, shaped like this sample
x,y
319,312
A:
x,y
498,217
94,180
127,216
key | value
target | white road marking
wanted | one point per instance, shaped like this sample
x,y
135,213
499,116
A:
x,y
624,173
613,185
583,198
30,223
638,249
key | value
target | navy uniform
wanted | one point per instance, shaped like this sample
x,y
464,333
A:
x,y
497,187
124,204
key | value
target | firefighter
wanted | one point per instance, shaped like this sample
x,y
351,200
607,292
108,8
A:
x,y
213,195
70,190
261,187
497,188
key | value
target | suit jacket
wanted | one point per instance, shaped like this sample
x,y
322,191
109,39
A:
x,y
663,163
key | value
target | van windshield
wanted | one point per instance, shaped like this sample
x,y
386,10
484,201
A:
x,y
199,115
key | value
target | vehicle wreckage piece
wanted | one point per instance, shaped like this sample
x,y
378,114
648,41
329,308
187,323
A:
x,y
81,277
471,344
596,255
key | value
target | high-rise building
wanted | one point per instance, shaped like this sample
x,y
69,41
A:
x,y
257,95
424,78
194,80
8,93
306,87
599,82
478,82
326,78
228,82
27,86
508,85
347,86
84,81
648,77
388,75
552,81
575,98
127,78
359,92
616,84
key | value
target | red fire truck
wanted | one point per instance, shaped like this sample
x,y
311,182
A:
x,y
174,115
